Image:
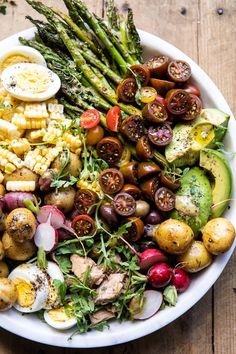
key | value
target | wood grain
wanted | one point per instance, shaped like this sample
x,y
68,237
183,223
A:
x,y
209,37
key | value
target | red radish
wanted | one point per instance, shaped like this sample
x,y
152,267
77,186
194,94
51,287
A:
x,y
15,200
152,303
46,237
151,256
58,220
180,280
160,275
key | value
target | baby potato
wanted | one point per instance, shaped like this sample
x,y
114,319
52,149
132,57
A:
x,y
63,198
195,258
2,251
74,166
174,236
8,294
218,235
2,190
22,174
18,251
21,224
4,271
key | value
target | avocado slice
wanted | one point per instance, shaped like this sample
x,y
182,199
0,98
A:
x,y
217,165
195,186
189,138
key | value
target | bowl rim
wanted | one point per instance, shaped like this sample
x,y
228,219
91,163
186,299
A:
x,y
187,300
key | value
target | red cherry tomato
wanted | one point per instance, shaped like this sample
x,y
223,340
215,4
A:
x,y
161,100
113,119
90,119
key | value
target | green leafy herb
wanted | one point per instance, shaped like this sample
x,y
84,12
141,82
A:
x,y
170,295
64,263
41,259
61,288
175,173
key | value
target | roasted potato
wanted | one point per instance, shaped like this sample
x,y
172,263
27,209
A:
x,y
218,235
195,258
22,174
174,236
63,199
2,251
21,224
8,294
4,271
2,190
74,166
18,251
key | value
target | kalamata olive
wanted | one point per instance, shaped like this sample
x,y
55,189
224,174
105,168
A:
x,y
142,208
154,217
109,215
150,230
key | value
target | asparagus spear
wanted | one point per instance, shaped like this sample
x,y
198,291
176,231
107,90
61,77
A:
x,y
112,15
133,36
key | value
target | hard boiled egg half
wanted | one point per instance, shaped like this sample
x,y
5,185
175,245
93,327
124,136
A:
x,y
59,318
30,82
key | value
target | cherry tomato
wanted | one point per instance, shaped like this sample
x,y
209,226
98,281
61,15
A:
x,y
90,118
130,172
160,100
133,190
154,112
160,135
150,187
133,128
158,65
124,204
147,169
194,110
148,94
168,182
113,119
143,148
110,150
142,72
94,135
164,199
178,101
83,225
162,86
136,230
111,180
125,157
127,89
179,71
109,215
191,88
85,200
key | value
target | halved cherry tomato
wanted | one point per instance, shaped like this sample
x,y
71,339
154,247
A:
x,y
85,200
125,157
168,182
160,135
110,150
148,169
191,88
83,225
94,135
154,112
142,72
148,94
124,204
136,230
164,199
113,119
178,101
179,71
127,89
130,172
150,187
111,180
194,110
143,148
158,65
162,86
133,128
161,100
133,190
89,119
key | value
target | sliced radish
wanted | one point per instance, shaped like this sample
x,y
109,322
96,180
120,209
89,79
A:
x,y
152,303
57,217
151,256
46,237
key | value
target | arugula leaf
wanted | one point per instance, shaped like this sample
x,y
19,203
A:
x,y
170,295
64,263
42,262
61,288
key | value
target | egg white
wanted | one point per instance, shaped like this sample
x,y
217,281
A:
x,y
9,81
34,55
62,325
54,273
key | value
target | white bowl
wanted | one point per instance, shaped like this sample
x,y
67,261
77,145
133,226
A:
x,y
32,328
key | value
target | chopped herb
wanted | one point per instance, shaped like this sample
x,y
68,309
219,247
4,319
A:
x,y
61,288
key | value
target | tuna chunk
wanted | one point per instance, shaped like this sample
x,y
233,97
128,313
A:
x,y
101,315
110,288
80,265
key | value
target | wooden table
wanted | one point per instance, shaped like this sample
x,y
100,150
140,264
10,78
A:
x,y
205,30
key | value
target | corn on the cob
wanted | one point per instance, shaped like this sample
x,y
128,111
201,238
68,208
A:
x,y
74,142
93,186
37,134
9,161
8,129
56,111
52,134
20,146
20,186
21,122
39,160
35,111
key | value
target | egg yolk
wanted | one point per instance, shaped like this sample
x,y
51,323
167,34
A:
x,y
25,292
14,59
33,80
58,315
